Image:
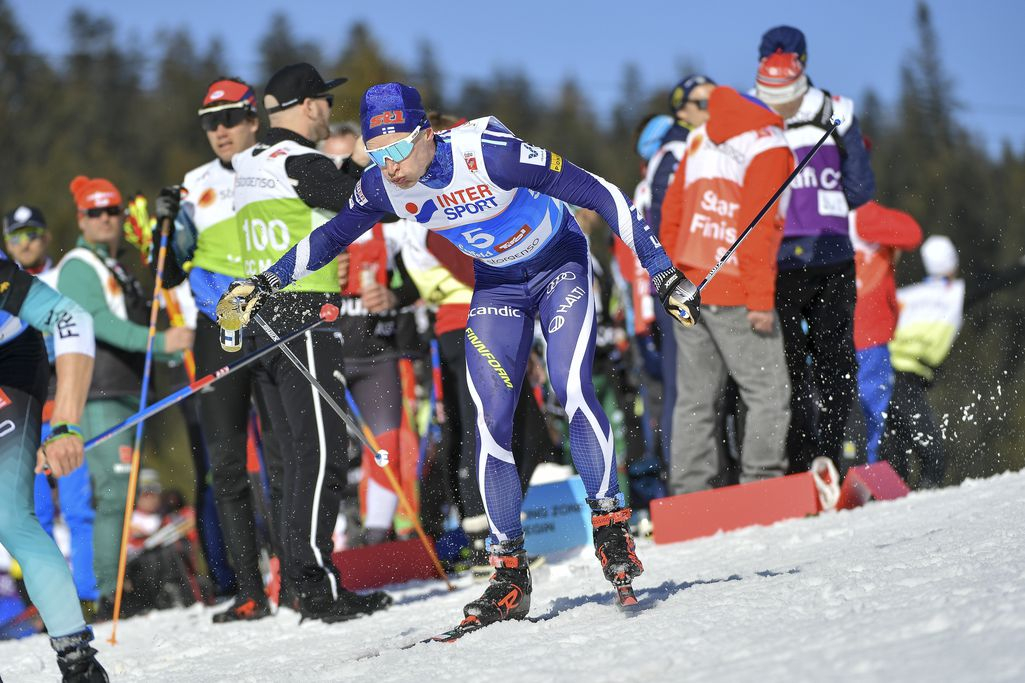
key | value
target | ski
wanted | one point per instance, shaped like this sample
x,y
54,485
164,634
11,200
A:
x,y
626,599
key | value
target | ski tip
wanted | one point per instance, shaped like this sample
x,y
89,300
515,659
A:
x,y
329,313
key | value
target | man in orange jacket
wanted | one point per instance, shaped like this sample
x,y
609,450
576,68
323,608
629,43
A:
x,y
735,159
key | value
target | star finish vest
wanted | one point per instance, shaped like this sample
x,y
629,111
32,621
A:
x,y
271,217
496,226
209,204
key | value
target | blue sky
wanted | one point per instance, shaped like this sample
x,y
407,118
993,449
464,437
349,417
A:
x,y
851,45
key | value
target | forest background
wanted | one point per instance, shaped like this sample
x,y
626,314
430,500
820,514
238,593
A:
x,y
129,114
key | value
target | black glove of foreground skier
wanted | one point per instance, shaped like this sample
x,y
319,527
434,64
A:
x,y
243,300
679,296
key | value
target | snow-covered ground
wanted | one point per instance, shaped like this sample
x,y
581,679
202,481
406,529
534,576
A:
x,y
928,588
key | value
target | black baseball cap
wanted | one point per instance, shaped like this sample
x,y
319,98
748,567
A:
x,y
23,217
294,83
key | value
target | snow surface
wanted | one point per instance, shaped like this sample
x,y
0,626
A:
x,y
927,588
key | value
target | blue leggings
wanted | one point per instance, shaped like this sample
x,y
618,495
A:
x,y
47,576
875,386
556,287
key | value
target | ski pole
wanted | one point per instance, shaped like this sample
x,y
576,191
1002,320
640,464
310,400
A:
x,y
768,205
366,438
328,313
407,508
133,477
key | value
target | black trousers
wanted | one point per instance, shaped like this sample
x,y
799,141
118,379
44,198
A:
x,y
821,361
312,441
910,429
224,412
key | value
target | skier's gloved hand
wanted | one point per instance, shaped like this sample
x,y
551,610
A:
x,y
244,298
679,296
168,202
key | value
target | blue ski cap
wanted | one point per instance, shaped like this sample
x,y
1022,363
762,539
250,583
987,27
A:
x,y
390,108
681,93
783,39
651,135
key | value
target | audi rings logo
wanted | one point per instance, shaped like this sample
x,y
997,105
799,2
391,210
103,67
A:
x,y
556,324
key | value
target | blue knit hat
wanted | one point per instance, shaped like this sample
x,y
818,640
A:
x,y
391,108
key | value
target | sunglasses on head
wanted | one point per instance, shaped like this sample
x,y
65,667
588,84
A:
x,y
229,118
24,236
98,211
398,150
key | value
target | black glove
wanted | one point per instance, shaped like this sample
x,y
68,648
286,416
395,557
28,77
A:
x,y
679,296
244,299
168,202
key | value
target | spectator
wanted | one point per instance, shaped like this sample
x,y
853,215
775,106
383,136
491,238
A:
x,y
284,188
661,167
879,235
815,287
735,160
342,143
931,314
27,239
206,235
92,273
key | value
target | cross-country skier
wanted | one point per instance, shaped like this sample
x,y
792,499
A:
x,y
24,374
496,197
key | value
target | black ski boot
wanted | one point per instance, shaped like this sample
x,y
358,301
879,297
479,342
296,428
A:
x,y
614,546
244,609
349,605
508,593
77,659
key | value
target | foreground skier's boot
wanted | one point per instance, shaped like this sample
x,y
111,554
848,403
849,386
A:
x,y
508,593
77,659
614,546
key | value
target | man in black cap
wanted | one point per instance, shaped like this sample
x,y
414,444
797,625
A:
x,y
688,102
284,188
27,239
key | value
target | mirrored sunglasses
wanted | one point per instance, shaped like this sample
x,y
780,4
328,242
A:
x,y
24,236
398,150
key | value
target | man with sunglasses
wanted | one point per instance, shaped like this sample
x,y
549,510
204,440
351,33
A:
x,y
206,236
27,239
94,277
685,104
284,188
497,199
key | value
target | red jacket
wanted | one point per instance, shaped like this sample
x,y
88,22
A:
x,y
730,168
878,233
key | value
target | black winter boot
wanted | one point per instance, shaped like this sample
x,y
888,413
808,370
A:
x,y
77,659
508,593
613,544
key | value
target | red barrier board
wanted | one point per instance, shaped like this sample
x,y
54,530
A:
x,y
877,481
379,565
693,515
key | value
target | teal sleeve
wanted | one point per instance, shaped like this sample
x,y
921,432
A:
x,y
79,280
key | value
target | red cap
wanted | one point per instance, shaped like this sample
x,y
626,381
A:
x,y
94,193
228,92
781,78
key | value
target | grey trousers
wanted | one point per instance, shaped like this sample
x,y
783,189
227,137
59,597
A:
x,y
723,342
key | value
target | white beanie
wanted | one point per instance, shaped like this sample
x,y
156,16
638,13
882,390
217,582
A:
x,y
939,256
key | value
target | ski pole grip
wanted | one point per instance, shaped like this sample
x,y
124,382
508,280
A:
x,y
329,313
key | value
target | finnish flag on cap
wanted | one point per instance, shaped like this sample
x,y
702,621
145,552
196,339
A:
x,y
391,108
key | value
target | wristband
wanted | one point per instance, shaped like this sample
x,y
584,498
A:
x,y
61,430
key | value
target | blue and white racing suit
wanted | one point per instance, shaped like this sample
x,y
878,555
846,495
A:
x,y
497,198
24,371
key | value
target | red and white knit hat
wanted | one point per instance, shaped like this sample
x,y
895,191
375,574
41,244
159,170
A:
x,y
781,78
